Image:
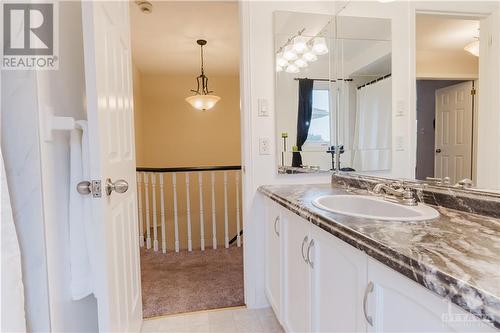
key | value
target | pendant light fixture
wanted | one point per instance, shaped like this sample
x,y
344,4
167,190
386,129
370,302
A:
x,y
203,100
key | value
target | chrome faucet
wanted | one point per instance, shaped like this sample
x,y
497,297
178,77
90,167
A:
x,y
464,183
397,192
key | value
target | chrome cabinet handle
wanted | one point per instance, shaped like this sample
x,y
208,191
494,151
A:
x,y
302,249
309,247
276,231
369,289
119,186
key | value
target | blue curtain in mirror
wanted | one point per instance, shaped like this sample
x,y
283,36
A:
x,y
303,117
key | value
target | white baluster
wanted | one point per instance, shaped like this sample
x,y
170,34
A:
x,y
155,213
139,199
202,223
176,220
148,225
188,212
162,212
226,237
214,219
238,226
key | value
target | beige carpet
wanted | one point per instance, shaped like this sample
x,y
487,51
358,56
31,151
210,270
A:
x,y
191,281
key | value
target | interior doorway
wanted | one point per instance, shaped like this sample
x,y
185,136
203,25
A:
x,y
187,119
447,61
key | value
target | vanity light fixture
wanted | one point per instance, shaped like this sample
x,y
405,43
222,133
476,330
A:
x,y
292,69
203,100
319,46
473,48
300,44
301,63
289,54
280,61
309,56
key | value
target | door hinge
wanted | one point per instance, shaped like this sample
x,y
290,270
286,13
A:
x,y
473,92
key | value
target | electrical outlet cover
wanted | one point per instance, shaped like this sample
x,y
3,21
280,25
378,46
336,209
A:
x,y
264,146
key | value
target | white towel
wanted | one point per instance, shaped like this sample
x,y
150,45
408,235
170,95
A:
x,y
79,214
12,292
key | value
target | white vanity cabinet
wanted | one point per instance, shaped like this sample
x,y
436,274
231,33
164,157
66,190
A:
x,y
398,304
296,314
338,282
273,236
326,285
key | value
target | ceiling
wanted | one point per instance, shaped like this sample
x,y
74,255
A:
x,y
165,40
442,33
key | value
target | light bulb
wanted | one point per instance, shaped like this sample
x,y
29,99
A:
x,y
309,56
301,63
292,69
300,44
289,54
319,46
280,61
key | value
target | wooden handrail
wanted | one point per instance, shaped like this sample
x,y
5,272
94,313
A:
x,y
188,169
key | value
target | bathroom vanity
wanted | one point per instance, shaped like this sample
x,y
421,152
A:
x,y
330,272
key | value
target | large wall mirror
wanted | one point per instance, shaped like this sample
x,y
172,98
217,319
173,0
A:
x,y
404,90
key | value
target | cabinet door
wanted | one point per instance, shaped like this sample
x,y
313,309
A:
x,y
338,282
398,304
273,254
296,277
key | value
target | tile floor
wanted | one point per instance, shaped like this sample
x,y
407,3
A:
x,y
233,320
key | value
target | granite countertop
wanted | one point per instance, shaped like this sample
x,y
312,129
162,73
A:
x,y
457,256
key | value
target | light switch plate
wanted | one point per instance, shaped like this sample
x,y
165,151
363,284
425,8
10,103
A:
x,y
263,106
400,109
264,146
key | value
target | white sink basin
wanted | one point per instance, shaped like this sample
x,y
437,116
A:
x,y
372,207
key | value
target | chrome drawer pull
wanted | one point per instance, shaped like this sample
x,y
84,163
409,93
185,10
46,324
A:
x,y
309,247
302,250
276,231
369,289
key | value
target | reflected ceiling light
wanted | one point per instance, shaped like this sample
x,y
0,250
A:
x,y
300,44
301,63
473,48
203,100
309,56
280,61
292,68
289,54
319,46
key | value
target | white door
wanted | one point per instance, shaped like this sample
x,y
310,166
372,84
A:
x,y
108,75
296,301
338,283
398,304
453,151
273,254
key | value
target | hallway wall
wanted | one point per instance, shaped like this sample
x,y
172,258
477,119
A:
x,y
174,134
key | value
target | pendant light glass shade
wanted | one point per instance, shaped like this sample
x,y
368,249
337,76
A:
x,y
473,48
309,56
289,54
280,61
300,44
301,63
292,69
203,100
319,46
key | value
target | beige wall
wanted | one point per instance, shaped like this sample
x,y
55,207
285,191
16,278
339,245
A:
x,y
138,123
446,65
175,135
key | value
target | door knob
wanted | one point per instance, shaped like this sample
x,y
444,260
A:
x,y
119,186
438,151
